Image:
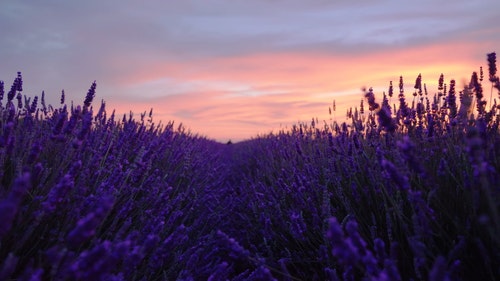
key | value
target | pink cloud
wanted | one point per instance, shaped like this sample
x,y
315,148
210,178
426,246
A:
x,y
280,89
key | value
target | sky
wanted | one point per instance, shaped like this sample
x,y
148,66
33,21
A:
x,y
234,69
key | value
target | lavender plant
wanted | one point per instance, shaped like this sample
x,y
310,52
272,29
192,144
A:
x,y
404,191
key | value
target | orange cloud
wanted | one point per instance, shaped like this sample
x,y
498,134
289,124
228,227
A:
x,y
240,97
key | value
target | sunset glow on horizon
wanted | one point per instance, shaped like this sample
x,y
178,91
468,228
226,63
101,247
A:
x,y
231,70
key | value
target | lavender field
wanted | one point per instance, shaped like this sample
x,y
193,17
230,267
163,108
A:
x,y
406,187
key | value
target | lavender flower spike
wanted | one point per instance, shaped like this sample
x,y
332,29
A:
x,y
90,95
86,227
10,205
492,67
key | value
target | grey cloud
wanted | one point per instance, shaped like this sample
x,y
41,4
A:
x,y
67,44
189,30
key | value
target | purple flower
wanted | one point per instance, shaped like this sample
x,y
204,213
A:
x,y
220,272
101,114
63,96
394,173
451,100
166,248
36,148
408,152
86,227
370,97
84,230
19,98
90,95
7,130
19,82
441,82
235,249
84,130
73,120
438,271
343,248
418,82
492,67
352,231
430,125
8,211
2,90
150,242
401,87
297,226
32,275
58,193
16,86
95,264
86,124
390,271
21,185
42,102
10,205
474,84
332,274
55,254
61,119
262,273
32,108
385,120
350,251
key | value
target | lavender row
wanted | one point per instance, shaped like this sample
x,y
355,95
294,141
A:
x,y
85,196
400,191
